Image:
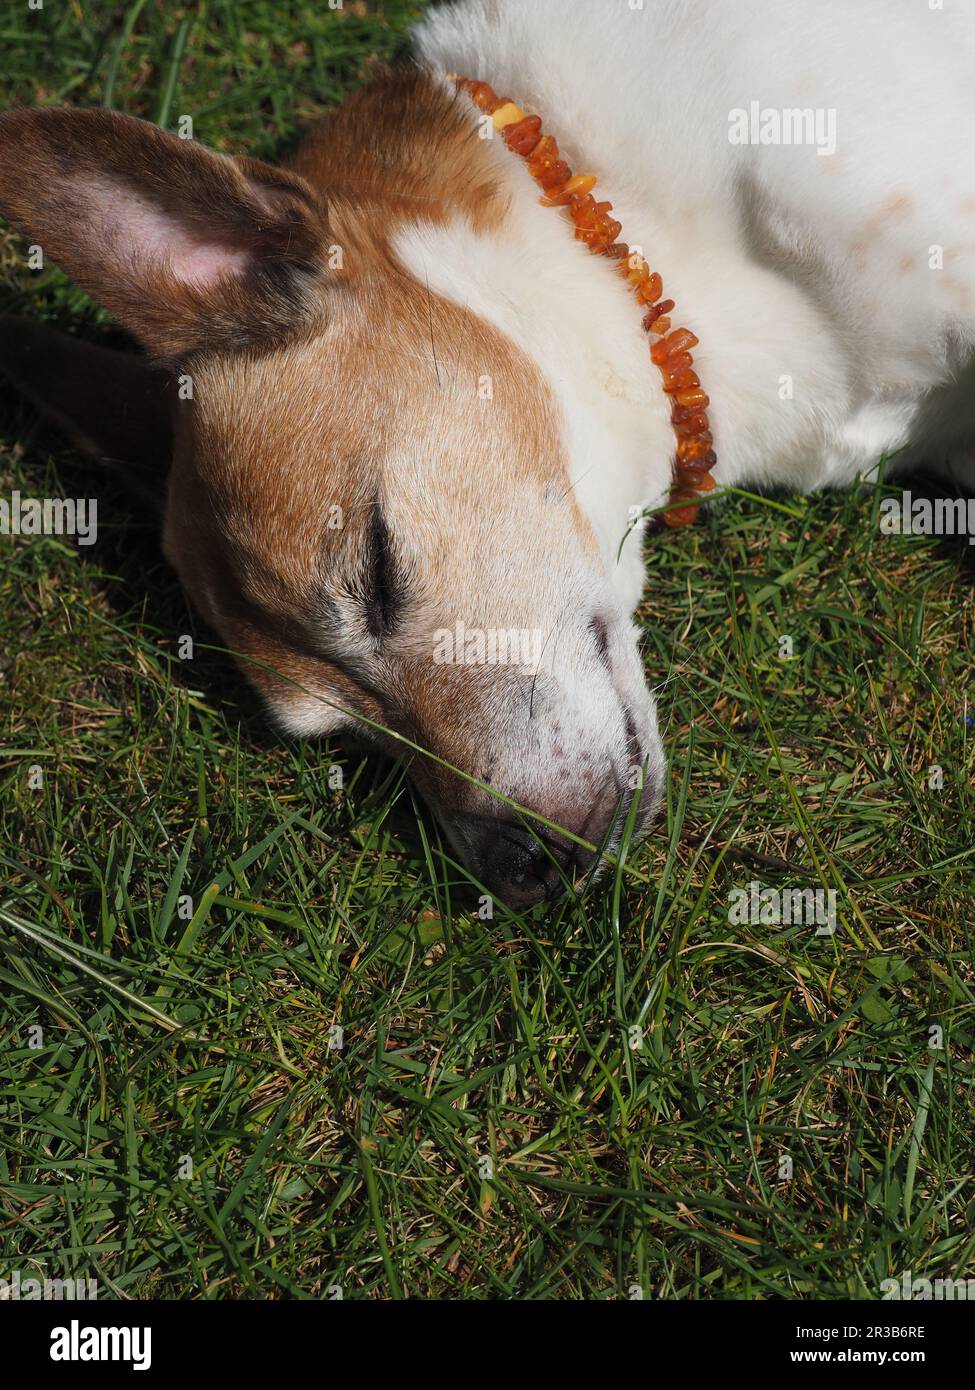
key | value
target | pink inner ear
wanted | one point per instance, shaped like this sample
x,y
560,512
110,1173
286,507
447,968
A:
x,y
151,239
200,264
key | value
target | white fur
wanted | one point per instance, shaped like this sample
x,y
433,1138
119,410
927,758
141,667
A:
x,y
790,266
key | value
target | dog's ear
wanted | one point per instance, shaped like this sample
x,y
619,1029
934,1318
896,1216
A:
x,y
185,247
115,406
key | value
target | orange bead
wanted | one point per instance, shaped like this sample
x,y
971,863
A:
x,y
695,397
681,340
546,166
596,238
600,243
690,449
682,381
675,517
580,183
676,360
694,427
582,209
555,176
484,97
507,114
687,477
523,136
575,187
693,469
657,312
545,151
652,289
661,326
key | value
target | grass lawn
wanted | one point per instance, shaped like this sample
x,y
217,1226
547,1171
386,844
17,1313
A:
x,y
254,1041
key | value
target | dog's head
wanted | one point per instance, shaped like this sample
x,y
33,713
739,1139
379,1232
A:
x,y
369,496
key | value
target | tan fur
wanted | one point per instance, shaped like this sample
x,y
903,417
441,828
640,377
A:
x,y
273,443
400,148
85,163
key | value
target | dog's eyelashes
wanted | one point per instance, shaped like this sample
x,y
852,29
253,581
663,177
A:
x,y
381,599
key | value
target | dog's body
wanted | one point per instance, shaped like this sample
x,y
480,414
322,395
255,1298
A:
x,y
831,330
392,334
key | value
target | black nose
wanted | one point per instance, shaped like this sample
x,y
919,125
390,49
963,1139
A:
x,y
523,867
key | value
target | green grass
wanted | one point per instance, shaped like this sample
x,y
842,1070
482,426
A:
x,y
159,1037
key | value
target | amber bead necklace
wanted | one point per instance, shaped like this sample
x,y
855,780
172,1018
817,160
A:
x,y
670,349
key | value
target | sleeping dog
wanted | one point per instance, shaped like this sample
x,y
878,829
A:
x,y
408,420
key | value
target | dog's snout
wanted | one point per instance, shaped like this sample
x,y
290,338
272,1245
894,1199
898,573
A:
x,y
524,866
524,861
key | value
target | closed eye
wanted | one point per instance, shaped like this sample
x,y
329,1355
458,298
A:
x,y
382,598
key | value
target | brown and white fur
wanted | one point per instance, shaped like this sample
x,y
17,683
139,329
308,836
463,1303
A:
x,y
391,331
